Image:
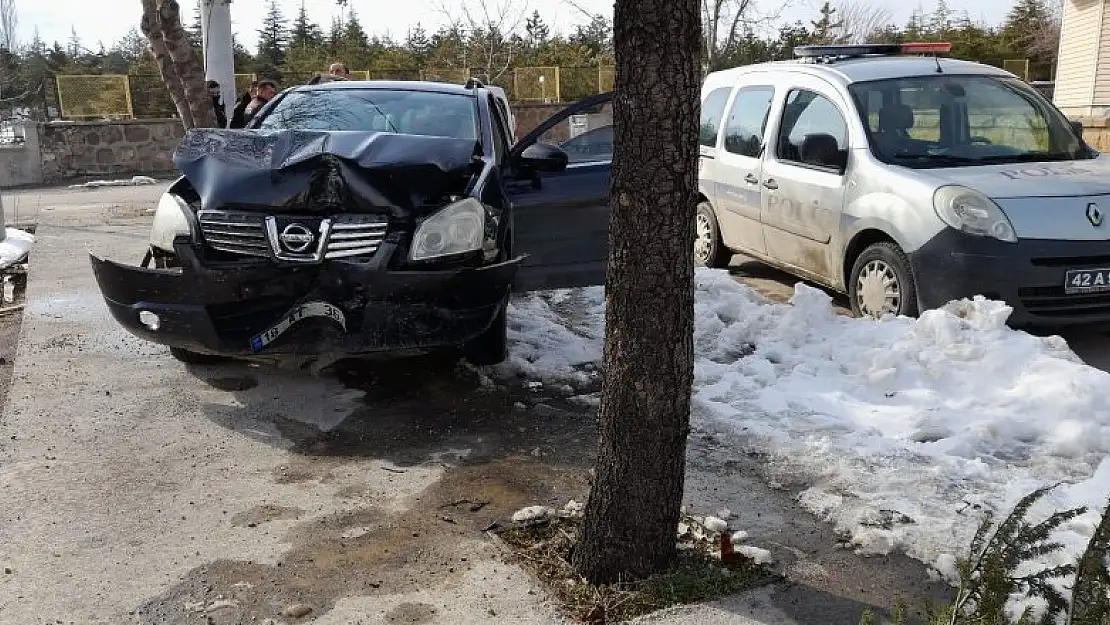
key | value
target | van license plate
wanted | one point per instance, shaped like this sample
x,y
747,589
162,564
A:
x,y
1087,281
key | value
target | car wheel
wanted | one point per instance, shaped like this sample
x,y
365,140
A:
x,y
194,358
709,250
492,346
881,283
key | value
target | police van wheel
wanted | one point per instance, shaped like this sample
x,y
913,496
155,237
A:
x,y
881,283
709,249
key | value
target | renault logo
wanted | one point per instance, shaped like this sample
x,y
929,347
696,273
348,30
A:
x,y
1094,215
297,238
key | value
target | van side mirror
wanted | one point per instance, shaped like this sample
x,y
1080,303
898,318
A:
x,y
542,157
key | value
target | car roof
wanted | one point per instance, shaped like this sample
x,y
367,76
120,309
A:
x,y
392,85
863,69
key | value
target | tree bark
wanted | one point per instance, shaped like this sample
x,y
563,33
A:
x,y
633,510
189,72
152,29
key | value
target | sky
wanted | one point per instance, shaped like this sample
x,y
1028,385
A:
x,y
109,20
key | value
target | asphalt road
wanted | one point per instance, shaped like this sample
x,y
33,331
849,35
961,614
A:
x,y
136,489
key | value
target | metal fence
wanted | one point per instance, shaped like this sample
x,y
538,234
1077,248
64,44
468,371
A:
x,y
144,96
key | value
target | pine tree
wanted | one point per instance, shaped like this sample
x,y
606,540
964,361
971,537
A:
x,y
538,30
195,30
305,32
941,20
354,37
824,29
418,44
75,48
273,37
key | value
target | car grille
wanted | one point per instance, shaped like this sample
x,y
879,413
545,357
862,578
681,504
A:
x,y
246,233
235,232
1052,301
355,235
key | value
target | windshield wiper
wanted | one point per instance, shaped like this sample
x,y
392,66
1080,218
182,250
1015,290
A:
x,y
1028,157
939,159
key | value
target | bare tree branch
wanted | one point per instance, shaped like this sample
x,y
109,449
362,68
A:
x,y
490,28
725,22
858,20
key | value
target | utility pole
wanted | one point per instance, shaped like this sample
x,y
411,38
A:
x,y
219,57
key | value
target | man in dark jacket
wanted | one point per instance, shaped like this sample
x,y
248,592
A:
x,y
238,114
217,104
267,89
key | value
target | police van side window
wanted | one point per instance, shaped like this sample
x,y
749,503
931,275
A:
x,y
813,132
748,120
712,110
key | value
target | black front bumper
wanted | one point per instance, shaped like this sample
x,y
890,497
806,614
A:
x,y
219,308
1027,275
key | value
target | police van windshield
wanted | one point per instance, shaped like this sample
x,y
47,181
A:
x,y
961,120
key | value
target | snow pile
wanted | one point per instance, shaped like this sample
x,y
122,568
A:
x,y
134,181
15,245
901,428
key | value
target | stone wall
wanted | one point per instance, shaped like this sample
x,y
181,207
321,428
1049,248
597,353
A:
x,y
107,149
21,163
1096,131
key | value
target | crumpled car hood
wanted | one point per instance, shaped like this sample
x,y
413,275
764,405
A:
x,y
323,171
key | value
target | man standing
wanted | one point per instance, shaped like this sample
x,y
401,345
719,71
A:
x,y
267,89
339,71
217,103
238,119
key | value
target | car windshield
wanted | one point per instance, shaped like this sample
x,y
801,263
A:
x,y
376,110
592,145
963,120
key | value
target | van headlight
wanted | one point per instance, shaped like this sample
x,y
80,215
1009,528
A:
x,y
968,210
456,229
170,222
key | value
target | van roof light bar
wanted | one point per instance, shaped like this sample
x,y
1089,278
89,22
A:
x,y
833,52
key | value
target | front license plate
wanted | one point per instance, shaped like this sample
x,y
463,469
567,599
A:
x,y
1087,281
304,311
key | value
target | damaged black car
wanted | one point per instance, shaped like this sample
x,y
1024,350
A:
x,y
354,219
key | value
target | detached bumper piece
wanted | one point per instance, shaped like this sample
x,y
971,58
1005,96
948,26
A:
x,y
259,308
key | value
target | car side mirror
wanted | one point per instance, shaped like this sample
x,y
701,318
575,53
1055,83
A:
x,y
1077,126
543,157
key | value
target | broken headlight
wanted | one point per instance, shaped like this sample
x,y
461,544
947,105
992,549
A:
x,y
170,222
457,229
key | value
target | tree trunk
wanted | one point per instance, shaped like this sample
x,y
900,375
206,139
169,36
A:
x,y
633,509
188,70
152,28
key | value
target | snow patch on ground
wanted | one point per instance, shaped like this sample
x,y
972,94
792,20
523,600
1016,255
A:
x,y
903,429
15,245
134,181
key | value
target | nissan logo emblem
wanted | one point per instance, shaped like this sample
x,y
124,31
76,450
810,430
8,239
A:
x,y
296,238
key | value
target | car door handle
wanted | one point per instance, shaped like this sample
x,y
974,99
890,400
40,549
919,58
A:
x,y
751,179
770,183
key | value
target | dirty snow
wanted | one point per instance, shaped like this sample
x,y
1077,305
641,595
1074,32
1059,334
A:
x,y
133,181
900,430
14,246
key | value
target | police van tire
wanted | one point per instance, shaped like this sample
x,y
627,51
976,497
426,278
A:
x,y
709,248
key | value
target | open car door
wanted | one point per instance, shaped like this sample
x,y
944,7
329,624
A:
x,y
561,213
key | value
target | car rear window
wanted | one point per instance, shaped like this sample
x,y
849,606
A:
x,y
376,110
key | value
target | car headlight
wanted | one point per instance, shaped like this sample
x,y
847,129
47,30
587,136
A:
x,y
456,229
968,210
169,222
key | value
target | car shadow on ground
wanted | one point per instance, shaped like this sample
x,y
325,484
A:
x,y
777,285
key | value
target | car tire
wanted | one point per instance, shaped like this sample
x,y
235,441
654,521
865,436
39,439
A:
x,y
194,358
709,249
492,346
879,267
